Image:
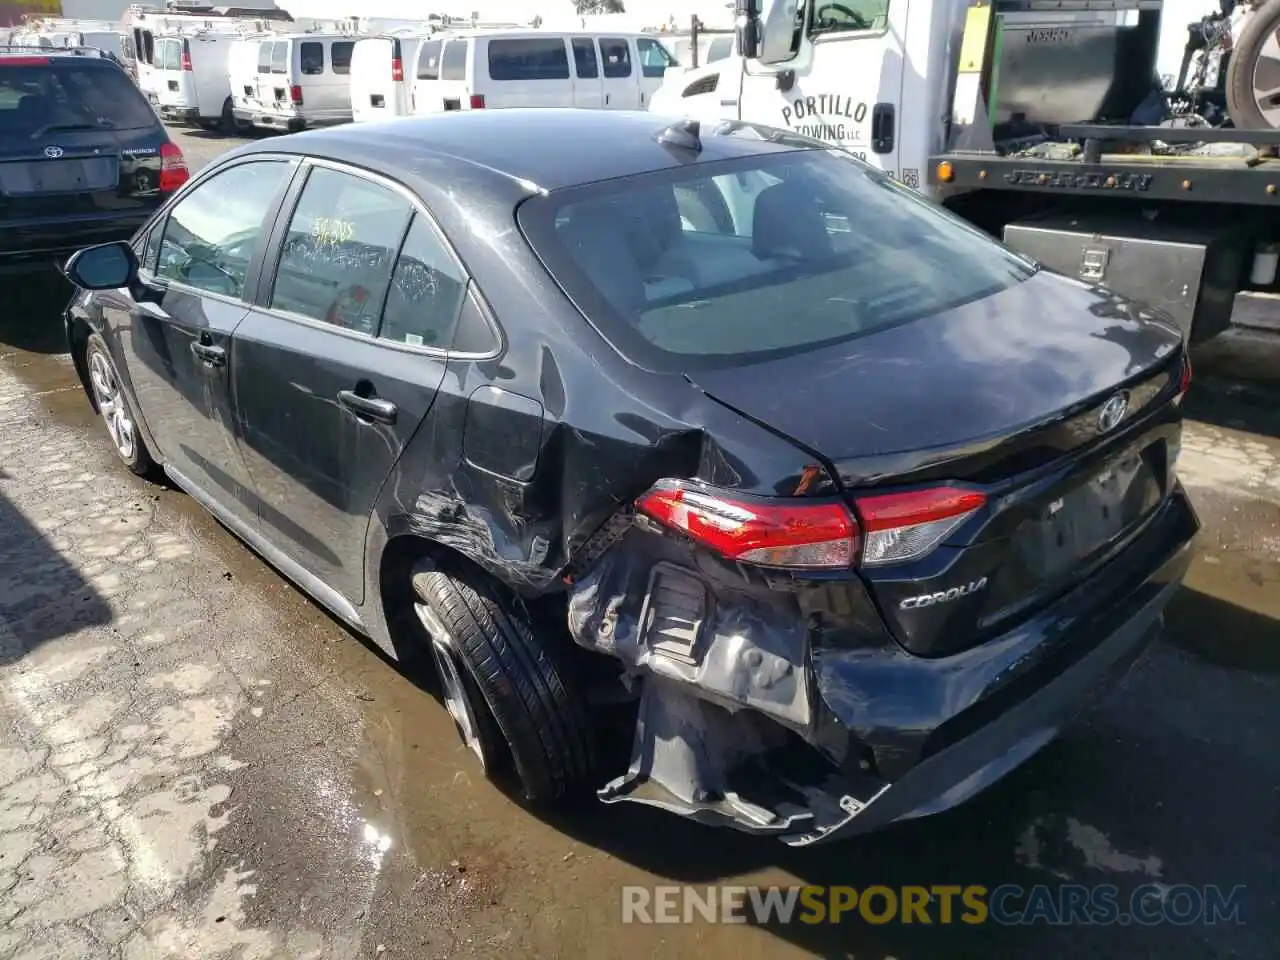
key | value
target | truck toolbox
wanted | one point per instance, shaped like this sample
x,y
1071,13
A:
x,y
1189,273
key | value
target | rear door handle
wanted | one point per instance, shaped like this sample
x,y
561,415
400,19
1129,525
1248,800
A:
x,y
369,408
213,356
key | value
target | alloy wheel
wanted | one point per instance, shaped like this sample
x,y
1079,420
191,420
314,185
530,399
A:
x,y
111,404
456,699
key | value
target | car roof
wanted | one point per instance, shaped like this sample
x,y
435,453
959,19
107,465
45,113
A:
x,y
540,148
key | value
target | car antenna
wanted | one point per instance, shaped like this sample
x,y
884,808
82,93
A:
x,y
684,134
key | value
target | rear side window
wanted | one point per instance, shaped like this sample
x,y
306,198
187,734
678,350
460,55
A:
x,y
654,58
584,58
311,55
453,65
536,58
426,291
429,61
338,255
264,57
341,54
280,57
70,94
616,55
719,264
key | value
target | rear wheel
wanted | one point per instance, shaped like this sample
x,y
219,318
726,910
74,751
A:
x,y
502,687
113,406
230,124
1253,75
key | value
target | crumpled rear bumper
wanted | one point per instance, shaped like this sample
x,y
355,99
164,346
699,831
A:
x,y
808,740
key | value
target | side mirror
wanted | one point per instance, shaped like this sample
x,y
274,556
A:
x,y
108,266
746,28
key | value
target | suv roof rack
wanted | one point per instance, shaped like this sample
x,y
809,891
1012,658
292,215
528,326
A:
x,y
29,50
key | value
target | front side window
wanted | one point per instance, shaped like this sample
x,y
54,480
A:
x,y
341,53
616,55
336,262
536,58
429,60
453,65
848,16
213,233
426,291
280,57
584,58
654,58
719,48
311,55
719,264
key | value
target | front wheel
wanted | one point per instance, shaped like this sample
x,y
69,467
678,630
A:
x,y
502,686
113,405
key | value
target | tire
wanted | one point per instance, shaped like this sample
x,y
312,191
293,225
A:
x,y
230,125
1255,61
211,126
114,407
522,700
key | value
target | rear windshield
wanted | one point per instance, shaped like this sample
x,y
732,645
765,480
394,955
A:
x,y
67,94
724,263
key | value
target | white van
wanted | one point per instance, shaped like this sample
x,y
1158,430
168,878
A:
x,y
382,74
299,81
190,79
538,68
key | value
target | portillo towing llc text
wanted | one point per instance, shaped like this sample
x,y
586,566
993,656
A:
x,y
1067,904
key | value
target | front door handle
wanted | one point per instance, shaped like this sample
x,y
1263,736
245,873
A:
x,y
213,356
368,408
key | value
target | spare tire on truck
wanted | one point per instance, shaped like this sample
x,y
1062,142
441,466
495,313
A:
x,y
1253,74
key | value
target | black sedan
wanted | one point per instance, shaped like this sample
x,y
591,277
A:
x,y
854,504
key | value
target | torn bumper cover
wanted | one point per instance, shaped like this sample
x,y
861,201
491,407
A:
x,y
789,711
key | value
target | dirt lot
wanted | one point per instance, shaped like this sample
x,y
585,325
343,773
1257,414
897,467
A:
x,y
196,762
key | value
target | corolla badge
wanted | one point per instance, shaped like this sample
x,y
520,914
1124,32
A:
x,y
943,596
1113,412
53,153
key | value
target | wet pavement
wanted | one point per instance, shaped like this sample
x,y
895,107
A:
x,y
197,762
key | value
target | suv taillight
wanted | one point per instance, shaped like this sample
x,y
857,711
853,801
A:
x,y
894,527
295,95
1184,379
477,101
173,168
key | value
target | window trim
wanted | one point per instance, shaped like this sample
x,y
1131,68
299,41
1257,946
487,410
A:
x,y
325,59
333,66
275,248
253,278
838,35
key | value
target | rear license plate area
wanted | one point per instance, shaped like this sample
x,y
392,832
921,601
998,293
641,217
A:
x,y
34,177
1104,506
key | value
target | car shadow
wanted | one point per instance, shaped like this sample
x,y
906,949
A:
x,y
42,595
31,311
1249,406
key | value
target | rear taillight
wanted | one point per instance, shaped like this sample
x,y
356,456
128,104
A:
x,y
186,56
907,525
894,527
173,168
295,95
1184,379
772,533
477,101
397,70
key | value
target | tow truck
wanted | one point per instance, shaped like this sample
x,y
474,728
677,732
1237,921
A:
x,y
1044,123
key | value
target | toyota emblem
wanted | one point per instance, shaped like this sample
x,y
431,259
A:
x,y
53,153
1113,412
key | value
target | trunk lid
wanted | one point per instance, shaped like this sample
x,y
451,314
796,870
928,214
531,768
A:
x,y
1005,395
